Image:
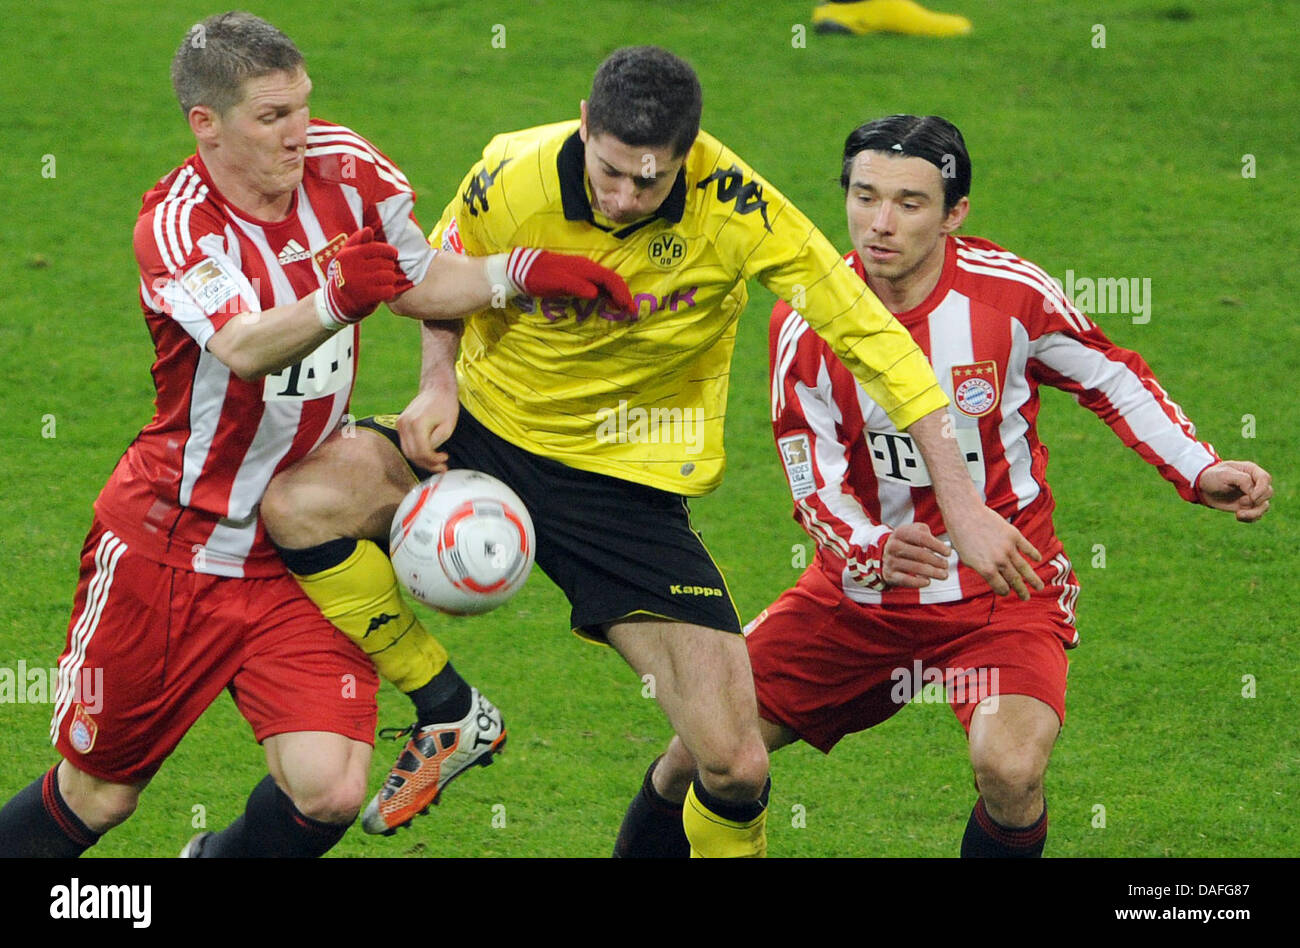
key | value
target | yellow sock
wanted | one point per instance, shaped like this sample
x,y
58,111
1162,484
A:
x,y
361,597
716,836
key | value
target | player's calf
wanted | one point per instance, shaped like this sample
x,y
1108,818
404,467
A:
x,y
100,804
323,774
705,688
41,820
1009,749
325,777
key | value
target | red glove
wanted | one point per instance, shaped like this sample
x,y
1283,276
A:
x,y
543,273
362,275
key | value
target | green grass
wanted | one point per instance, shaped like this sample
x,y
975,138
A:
x,y
1124,161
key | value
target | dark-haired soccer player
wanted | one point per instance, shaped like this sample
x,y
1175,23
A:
x,y
606,423
887,606
258,258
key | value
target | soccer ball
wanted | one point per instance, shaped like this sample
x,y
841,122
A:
x,y
462,542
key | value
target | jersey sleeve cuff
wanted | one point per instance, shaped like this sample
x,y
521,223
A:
x,y
932,399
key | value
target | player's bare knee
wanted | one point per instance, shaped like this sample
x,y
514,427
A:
x,y
740,775
1012,780
289,504
337,803
114,806
349,487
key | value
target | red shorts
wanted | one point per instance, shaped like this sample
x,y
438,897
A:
x,y
151,646
826,666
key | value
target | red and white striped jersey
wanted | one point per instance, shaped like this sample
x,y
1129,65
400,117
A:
x,y
995,328
188,488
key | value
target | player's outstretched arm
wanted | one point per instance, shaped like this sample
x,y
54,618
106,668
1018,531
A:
x,y
364,274
455,285
985,542
1240,487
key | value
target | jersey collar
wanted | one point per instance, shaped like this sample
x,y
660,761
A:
x,y
577,206
946,278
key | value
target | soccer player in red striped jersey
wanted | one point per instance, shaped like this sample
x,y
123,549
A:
x,y
258,258
887,607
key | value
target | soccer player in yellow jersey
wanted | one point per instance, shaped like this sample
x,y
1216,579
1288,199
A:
x,y
606,421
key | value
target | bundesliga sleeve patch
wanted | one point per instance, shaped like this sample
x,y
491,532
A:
x,y
210,285
796,455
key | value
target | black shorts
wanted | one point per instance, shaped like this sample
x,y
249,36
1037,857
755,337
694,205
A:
x,y
617,549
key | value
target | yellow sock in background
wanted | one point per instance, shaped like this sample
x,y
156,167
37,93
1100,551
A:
x,y
361,597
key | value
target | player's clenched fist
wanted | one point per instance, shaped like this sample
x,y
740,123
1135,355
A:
x,y
1240,487
543,273
364,274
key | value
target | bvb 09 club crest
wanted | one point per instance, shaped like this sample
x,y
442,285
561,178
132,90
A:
x,y
975,388
666,250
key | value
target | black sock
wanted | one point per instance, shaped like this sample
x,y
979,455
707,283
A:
x,y
652,827
730,809
443,699
37,822
986,839
271,826
317,559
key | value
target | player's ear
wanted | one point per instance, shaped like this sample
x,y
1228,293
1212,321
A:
x,y
204,123
582,121
956,215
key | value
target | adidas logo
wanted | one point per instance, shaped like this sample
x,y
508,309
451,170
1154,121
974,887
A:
x,y
292,253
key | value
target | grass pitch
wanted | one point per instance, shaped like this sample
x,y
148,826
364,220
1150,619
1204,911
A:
x,y
1121,139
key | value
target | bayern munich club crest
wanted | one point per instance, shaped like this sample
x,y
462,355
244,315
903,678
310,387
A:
x,y
82,731
975,388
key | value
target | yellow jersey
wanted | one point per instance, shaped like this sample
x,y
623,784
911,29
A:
x,y
643,398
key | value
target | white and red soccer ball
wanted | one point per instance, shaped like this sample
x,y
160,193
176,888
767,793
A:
x,y
462,542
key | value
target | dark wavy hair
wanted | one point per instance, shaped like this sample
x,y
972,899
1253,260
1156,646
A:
x,y
644,95
935,139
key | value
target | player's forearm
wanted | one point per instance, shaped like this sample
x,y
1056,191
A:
x,y
439,345
254,345
453,286
954,491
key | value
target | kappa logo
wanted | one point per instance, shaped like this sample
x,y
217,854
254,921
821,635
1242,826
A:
x,y
732,187
379,621
666,251
292,252
479,187
975,387
677,589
